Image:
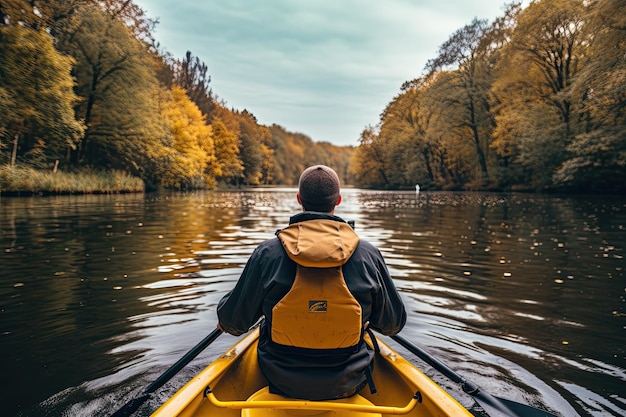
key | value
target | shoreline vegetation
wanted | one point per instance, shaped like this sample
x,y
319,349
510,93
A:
x,y
27,181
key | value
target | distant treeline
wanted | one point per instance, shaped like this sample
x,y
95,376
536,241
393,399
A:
x,y
535,100
84,88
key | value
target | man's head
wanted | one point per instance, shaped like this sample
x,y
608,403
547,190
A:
x,y
318,189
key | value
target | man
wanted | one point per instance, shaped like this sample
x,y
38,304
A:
x,y
319,287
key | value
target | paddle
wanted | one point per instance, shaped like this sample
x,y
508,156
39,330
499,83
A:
x,y
506,407
132,405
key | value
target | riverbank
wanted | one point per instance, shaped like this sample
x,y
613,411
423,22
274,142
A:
x,y
26,181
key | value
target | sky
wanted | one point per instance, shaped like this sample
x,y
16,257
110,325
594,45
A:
x,y
323,68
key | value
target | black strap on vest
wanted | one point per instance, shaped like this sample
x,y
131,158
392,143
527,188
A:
x,y
370,379
368,370
374,341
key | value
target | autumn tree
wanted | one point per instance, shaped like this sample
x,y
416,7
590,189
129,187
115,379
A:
x,y
467,97
252,148
291,151
189,161
36,90
268,161
118,86
48,15
192,74
404,128
369,162
597,154
229,166
130,14
332,155
601,81
536,75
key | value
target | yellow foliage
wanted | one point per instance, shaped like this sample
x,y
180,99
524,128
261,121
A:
x,y
228,164
191,157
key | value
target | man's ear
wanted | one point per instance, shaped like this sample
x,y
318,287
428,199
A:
x,y
298,198
338,201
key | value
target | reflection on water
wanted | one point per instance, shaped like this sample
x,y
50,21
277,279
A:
x,y
522,294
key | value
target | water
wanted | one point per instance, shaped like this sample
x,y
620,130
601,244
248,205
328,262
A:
x,y
522,294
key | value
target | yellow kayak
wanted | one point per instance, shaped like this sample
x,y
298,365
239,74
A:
x,y
233,385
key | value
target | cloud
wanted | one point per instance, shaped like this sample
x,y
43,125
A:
x,y
325,68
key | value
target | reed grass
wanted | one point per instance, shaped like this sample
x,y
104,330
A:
x,y
26,180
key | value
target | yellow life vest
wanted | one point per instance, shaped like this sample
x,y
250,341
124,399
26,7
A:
x,y
319,312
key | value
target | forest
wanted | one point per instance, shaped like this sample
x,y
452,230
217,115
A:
x,y
532,101
84,88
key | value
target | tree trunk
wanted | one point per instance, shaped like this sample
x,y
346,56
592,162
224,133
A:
x,y
429,169
479,150
14,152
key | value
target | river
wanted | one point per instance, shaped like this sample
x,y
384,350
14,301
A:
x,y
523,294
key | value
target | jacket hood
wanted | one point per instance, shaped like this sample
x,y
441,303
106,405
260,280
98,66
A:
x,y
319,243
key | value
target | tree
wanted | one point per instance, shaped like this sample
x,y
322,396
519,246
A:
x,y
252,139
291,150
191,74
117,83
229,166
268,162
130,14
598,162
57,16
404,126
369,161
597,155
601,81
452,156
468,90
37,85
7,104
536,74
190,161
36,14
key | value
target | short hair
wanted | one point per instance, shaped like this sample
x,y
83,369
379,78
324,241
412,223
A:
x,y
319,188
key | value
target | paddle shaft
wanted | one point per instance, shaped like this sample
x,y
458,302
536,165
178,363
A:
x,y
513,410
131,406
